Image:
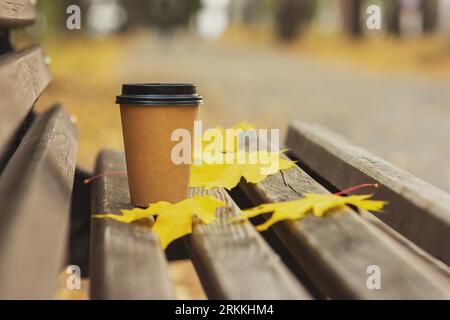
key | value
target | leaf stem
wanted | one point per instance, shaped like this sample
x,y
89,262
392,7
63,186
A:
x,y
361,186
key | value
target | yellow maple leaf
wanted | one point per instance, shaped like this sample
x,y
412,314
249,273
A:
x,y
228,143
244,125
317,204
222,164
254,167
173,220
136,214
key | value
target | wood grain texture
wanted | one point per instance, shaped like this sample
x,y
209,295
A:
x,y
35,191
24,76
418,210
336,250
126,260
419,257
16,13
234,262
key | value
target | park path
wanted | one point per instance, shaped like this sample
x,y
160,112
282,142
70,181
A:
x,y
403,118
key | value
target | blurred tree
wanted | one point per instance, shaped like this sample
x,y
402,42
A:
x,y
291,18
429,15
166,15
351,17
137,11
244,11
399,11
326,16
392,12
54,12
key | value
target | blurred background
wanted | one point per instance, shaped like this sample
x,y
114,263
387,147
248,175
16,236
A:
x,y
266,62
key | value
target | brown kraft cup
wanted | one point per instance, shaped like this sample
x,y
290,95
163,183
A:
x,y
150,113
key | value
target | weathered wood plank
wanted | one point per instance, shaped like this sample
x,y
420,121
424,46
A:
x,y
417,210
433,266
234,262
126,261
24,75
35,191
16,13
336,250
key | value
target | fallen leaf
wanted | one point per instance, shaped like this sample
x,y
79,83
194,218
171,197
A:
x,y
136,214
173,220
256,167
244,125
228,144
221,164
317,204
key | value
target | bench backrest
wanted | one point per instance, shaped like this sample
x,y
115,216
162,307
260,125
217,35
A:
x,y
37,165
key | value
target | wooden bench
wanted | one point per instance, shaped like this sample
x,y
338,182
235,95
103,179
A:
x,y
46,224
329,256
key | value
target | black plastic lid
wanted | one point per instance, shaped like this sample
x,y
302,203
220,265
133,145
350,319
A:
x,y
153,94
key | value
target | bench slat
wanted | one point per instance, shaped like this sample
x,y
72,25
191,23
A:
x,y
337,249
16,13
234,262
127,261
417,210
35,192
27,76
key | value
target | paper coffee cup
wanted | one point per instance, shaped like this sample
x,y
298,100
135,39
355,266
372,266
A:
x,y
150,113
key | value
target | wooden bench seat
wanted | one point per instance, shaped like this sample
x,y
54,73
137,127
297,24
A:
x,y
233,261
418,210
127,261
336,250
